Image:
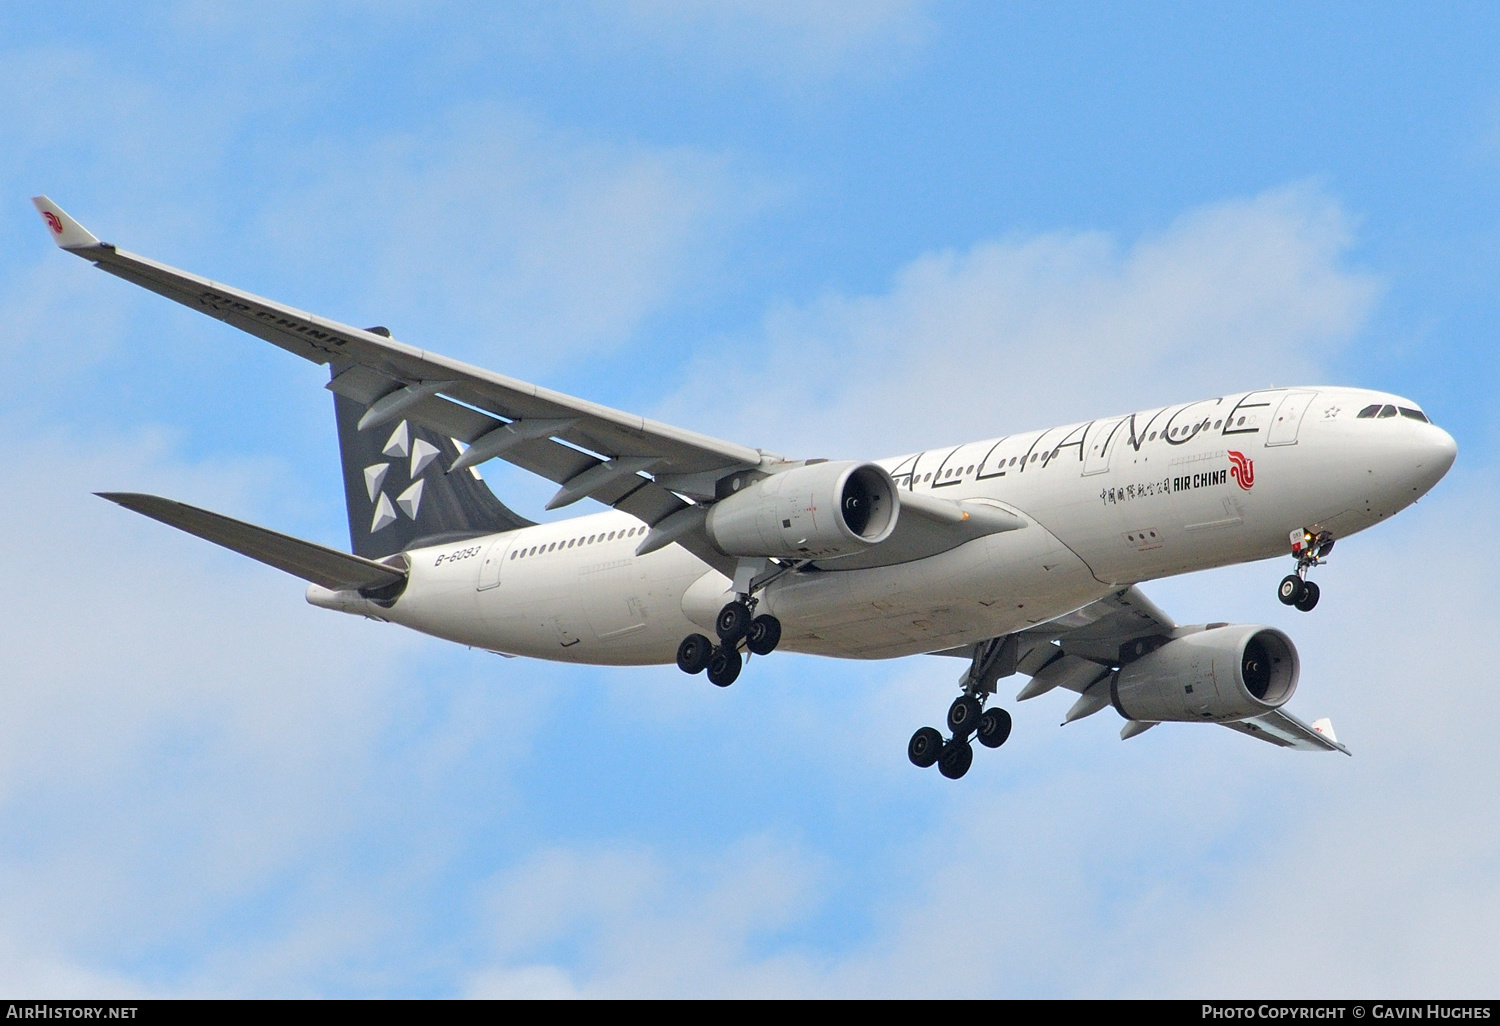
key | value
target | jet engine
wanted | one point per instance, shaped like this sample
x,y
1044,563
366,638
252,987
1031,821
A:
x,y
1224,673
815,511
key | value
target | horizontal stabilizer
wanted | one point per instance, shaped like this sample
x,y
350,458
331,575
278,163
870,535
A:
x,y
316,563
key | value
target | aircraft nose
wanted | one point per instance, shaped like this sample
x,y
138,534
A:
x,y
1435,452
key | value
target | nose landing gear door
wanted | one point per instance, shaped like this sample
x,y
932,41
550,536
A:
x,y
1288,418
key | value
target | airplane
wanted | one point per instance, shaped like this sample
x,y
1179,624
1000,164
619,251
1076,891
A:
x,y
1018,555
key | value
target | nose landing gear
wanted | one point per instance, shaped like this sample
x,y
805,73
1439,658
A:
x,y
1308,549
967,716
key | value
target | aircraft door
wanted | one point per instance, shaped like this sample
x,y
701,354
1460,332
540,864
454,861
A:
x,y
1288,418
1101,439
489,569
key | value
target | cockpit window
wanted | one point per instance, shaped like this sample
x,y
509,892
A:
x,y
1386,411
1407,411
1368,411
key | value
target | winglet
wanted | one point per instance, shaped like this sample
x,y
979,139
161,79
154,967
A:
x,y
66,232
1325,727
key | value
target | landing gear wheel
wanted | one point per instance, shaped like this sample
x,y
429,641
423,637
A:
x,y
963,716
924,747
764,634
1292,588
957,757
693,654
733,622
1309,598
724,666
994,728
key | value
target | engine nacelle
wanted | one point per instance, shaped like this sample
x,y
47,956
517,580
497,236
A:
x,y
813,512
1224,673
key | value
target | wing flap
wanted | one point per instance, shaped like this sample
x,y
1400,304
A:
x,y
330,568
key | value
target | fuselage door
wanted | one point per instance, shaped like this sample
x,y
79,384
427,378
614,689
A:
x,y
494,558
1288,418
1098,444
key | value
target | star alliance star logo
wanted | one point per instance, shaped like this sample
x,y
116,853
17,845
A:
x,y
419,455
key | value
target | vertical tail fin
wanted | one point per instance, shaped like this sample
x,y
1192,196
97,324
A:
x,y
398,493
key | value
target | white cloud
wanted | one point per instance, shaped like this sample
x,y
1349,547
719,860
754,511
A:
x,y
490,236
637,925
1023,333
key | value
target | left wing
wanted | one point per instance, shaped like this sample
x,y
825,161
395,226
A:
x,y
640,466
1079,651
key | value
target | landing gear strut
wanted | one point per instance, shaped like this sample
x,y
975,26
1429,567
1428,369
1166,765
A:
x,y
1308,549
967,716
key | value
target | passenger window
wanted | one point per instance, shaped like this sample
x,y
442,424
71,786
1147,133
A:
x,y
1386,411
1368,412
1217,423
970,470
1407,411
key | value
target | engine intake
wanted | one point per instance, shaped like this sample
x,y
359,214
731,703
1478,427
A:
x,y
816,511
1225,673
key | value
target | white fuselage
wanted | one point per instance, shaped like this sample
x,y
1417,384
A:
x,y
1108,503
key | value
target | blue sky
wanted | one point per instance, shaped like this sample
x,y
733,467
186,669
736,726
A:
x,y
829,230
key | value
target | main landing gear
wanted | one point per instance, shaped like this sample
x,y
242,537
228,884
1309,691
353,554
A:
x,y
967,716
736,625
1308,549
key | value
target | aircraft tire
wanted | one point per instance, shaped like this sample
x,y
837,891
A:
x,y
1290,590
764,634
1310,595
963,715
994,728
924,747
733,622
724,666
693,654
957,757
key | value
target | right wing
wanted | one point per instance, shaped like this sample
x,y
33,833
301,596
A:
x,y
1284,729
1079,651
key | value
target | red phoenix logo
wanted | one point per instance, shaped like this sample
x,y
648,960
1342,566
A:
x,y
1241,469
53,222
